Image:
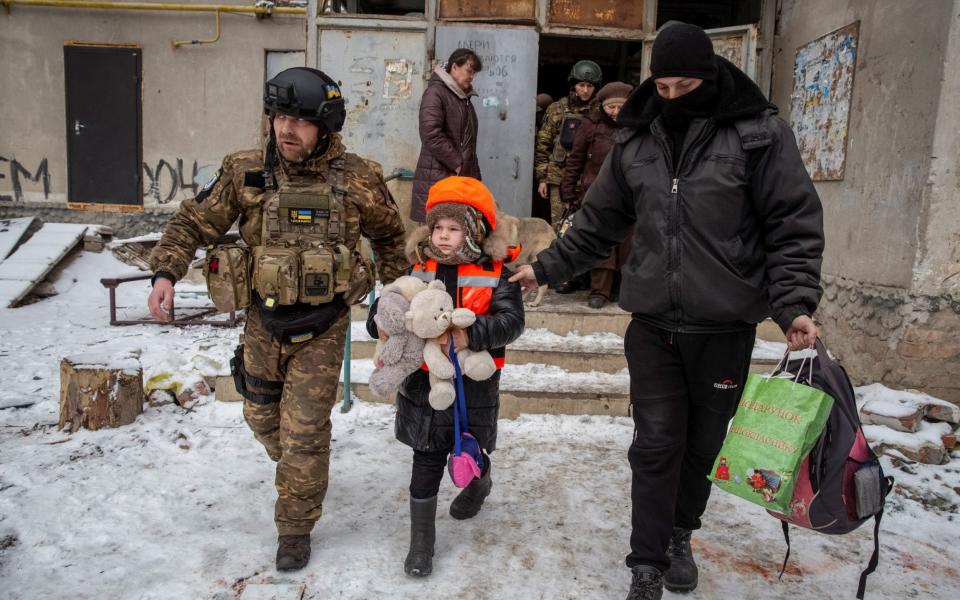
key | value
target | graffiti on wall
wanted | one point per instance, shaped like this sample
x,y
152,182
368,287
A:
x,y
820,104
16,173
163,182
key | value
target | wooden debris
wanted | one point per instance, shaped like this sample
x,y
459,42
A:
x,y
98,390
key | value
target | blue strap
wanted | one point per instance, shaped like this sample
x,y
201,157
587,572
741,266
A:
x,y
458,410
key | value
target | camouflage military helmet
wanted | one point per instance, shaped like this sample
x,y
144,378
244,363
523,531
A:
x,y
307,94
585,70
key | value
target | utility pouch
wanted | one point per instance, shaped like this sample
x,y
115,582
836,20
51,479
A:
x,y
227,271
568,131
868,489
360,279
317,276
276,275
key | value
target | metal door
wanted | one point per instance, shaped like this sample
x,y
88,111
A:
x,y
103,124
381,75
505,107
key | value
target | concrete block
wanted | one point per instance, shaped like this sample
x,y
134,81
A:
x,y
900,417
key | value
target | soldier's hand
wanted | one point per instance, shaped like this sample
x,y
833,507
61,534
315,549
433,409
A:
x,y
543,191
802,333
160,301
524,274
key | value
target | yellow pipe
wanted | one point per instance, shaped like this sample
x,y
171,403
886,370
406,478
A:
x,y
215,8
178,43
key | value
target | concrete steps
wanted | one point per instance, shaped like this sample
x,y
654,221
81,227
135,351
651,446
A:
x,y
568,361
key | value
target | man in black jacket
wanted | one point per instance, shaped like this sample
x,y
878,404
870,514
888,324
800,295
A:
x,y
727,231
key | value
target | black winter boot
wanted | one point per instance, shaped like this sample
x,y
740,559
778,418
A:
x,y
423,534
682,574
293,552
647,583
469,502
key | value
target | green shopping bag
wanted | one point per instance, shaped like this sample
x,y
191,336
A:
x,y
776,425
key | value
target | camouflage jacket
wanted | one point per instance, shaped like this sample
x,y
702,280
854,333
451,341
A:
x,y
201,221
550,155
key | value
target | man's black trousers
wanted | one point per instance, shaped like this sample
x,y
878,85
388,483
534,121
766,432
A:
x,y
684,389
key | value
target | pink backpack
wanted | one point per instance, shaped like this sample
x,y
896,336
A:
x,y
840,484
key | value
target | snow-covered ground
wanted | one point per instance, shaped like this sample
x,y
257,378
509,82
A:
x,y
179,504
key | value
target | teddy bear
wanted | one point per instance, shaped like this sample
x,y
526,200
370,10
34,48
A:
x,y
431,314
402,352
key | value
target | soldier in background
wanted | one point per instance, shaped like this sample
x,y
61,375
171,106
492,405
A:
x,y
303,204
558,130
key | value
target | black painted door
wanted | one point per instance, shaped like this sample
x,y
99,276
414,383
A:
x,y
103,124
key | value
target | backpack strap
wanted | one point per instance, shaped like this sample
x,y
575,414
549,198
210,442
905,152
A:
x,y
874,559
786,538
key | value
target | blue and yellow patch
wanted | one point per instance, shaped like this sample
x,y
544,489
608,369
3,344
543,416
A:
x,y
332,92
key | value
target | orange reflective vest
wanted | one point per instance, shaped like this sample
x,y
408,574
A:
x,y
475,285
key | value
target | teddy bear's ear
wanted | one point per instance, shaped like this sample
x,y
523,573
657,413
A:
x,y
436,284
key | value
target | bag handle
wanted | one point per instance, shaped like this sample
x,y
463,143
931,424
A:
x,y
459,403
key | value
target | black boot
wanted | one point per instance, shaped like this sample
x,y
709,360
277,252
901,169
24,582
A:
x,y
469,502
682,574
647,583
423,534
293,552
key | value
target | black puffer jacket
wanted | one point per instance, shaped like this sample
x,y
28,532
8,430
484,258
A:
x,y
731,235
421,427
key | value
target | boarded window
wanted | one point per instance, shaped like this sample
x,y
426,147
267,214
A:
x,y
597,13
488,9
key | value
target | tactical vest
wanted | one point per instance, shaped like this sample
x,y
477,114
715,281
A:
x,y
303,256
475,285
568,132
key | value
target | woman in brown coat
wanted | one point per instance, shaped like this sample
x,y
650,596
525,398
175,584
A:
x,y
448,128
591,145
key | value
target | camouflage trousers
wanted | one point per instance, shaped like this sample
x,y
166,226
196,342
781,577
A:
x,y
556,204
296,430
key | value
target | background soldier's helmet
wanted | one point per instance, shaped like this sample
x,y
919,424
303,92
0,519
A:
x,y
307,94
585,70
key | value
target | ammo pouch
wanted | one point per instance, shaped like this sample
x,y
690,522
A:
x,y
568,131
301,322
272,390
276,273
227,271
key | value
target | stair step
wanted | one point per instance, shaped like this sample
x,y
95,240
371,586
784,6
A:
x,y
571,316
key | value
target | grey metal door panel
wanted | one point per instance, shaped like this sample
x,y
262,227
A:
x,y
505,107
381,74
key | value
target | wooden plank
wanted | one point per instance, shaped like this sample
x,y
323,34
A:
x,y
34,260
11,232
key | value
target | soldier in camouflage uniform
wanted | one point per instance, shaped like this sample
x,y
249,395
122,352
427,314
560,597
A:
x,y
559,127
289,364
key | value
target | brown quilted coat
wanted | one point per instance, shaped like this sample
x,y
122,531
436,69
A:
x,y
448,137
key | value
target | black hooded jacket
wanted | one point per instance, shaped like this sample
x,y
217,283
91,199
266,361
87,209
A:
x,y
727,237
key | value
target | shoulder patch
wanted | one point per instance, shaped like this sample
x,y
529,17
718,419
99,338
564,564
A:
x,y
254,179
208,186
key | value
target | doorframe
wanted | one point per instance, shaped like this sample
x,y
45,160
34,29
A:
x,y
97,206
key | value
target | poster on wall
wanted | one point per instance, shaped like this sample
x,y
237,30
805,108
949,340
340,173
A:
x,y
822,91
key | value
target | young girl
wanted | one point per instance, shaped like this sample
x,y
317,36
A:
x,y
459,246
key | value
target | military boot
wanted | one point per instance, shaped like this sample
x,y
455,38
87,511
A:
x,y
293,552
423,534
469,502
647,583
682,574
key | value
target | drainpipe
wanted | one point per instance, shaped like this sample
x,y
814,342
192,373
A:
x,y
168,6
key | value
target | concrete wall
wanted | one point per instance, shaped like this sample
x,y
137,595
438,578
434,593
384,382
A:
x,y
891,310
199,102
